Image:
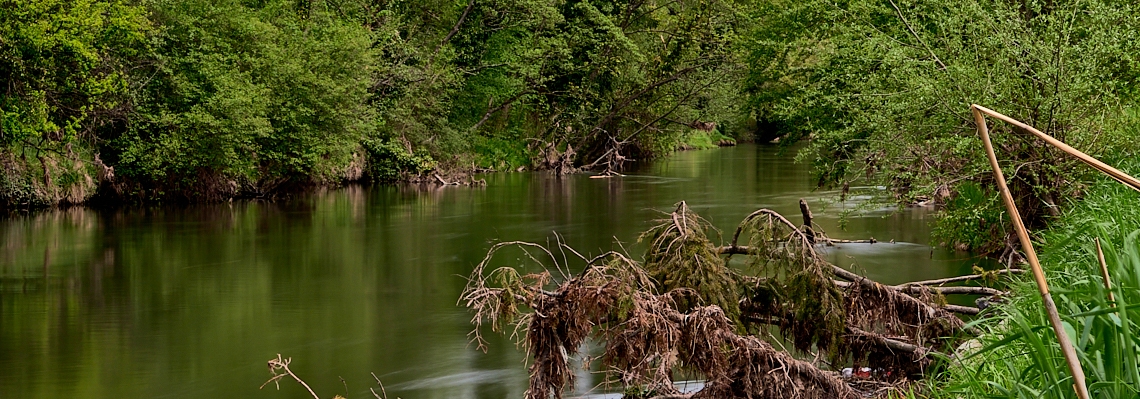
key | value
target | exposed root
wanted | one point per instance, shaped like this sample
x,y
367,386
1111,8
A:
x,y
560,162
860,320
611,161
647,338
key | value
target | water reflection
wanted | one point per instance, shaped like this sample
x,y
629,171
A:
x,y
190,301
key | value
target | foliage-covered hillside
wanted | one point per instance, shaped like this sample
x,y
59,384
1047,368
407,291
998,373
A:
x,y
201,100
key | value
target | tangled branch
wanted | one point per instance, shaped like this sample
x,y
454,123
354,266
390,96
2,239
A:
x,y
684,309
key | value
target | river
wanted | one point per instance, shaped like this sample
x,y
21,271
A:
x,y
190,302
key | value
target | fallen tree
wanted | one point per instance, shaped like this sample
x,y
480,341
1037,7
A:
x,y
684,309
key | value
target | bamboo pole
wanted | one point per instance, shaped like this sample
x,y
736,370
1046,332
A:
x,y
1104,273
1074,363
1112,172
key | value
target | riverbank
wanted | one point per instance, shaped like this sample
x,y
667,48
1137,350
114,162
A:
x,y
189,301
54,180
1019,356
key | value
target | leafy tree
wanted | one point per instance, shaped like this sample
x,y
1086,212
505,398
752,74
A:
x,y
214,99
248,98
580,74
64,66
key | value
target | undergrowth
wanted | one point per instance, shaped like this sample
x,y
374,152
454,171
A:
x,y
1019,357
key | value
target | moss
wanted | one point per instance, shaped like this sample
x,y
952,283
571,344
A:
x,y
16,187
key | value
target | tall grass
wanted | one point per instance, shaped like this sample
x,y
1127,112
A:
x,y
1018,357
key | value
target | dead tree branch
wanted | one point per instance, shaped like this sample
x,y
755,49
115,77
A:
x,y
279,367
684,306
960,279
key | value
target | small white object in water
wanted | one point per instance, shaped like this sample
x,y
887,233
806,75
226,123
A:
x,y
864,372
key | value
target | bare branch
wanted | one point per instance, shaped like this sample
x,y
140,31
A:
x,y
280,368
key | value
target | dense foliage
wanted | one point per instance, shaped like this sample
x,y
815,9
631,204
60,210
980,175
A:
x,y
214,99
65,67
883,88
249,96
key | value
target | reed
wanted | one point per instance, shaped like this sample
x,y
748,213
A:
x,y
1018,357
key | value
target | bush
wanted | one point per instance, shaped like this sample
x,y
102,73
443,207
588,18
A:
x,y
250,93
389,162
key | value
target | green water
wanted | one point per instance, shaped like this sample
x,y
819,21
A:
x,y
190,302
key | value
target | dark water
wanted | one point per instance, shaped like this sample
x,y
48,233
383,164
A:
x,y
190,302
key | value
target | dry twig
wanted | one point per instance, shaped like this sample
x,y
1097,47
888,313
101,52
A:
x,y
279,367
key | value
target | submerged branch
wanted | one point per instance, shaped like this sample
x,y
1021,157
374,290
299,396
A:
x,y
885,342
960,279
952,290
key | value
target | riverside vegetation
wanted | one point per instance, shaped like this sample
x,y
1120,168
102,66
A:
x,y
215,99
1018,357
210,100
884,90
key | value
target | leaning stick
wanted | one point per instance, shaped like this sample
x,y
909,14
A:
x,y
1104,273
1112,172
1023,235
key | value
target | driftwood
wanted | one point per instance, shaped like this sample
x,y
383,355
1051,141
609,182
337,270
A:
x,y
807,229
652,338
458,178
901,344
279,367
612,160
684,308
967,310
914,289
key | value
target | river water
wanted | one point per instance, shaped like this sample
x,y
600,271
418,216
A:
x,y
190,302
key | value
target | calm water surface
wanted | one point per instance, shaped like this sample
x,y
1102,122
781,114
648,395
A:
x,y
190,302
